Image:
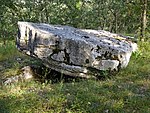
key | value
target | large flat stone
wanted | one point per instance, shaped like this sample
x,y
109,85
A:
x,y
74,51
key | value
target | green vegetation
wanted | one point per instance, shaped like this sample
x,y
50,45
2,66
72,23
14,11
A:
x,y
119,16
126,92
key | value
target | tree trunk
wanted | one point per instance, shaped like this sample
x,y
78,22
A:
x,y
116,22
143,19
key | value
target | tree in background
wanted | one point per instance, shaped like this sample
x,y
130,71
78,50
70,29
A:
x,y
119,16
143,18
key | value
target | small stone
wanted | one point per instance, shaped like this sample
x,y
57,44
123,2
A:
x,y
19,59
26,74
106,111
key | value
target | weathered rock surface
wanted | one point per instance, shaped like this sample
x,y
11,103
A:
x,y
74,51
26,74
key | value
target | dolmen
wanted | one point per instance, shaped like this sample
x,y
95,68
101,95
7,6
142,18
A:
x,y
72,51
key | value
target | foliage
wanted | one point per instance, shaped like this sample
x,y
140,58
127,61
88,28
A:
x,y
121,16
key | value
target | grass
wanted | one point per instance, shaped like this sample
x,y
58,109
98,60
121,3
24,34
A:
x,y
127,92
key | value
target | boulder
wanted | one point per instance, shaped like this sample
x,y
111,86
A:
x,y
74,51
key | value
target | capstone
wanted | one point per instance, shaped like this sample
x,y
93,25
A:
x,y
74,51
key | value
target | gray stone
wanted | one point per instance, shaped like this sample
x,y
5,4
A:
x,y
25,74
74,51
